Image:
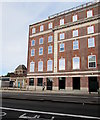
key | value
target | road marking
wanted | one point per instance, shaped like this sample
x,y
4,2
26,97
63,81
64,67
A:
x,y
50,113
23,116
2,114
27,117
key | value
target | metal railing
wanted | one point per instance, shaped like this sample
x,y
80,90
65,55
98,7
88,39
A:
x,y
74,8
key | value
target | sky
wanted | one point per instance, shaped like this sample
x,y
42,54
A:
x,y
15,18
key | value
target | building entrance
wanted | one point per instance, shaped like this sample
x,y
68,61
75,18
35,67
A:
x,y
76,83
18,84
49,84
61,83
93,84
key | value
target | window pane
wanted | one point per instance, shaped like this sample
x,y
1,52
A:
x,y
61,47
75,45
41,28
50,39
50,25
32,67
31,81
41,51
40,66
61,36
49,65
89,13
41,41
92,58
49,49
74,18
61,64
91,42
90,29
75,33
62,22
76,63
33,42
40,82
32,52
33,30
92,61
92,64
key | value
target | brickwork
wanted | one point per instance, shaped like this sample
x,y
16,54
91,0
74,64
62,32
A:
x,y
82,52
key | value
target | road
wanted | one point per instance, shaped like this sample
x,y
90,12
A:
x,y
13,109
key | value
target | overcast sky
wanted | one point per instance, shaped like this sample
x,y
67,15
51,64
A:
x,y
15,18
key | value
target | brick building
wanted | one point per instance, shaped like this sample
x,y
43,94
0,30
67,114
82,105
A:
x,y
18,78
63,50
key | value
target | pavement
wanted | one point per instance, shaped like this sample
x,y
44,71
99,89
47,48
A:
x,y
52,96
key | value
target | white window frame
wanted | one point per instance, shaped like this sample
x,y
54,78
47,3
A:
x,y
75,33
50,49
62,64
32,43
50,38
91,42
89,13
40,40
33,30
90,29
41,51
62,36
41,28
92,61
32,66
76,66
32,52
40,66
75,45
60,46
75,18
61,21
50,25
49,66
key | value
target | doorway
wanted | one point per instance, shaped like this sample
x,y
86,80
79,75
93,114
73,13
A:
x,y
61,83
18,84
93,84
76,83
49,84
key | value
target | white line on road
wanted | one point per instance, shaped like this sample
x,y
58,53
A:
x,y
2,114
51,113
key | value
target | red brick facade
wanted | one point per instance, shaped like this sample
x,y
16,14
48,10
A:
x,y
66,79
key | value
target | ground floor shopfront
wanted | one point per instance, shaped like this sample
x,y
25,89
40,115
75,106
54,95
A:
x,y
18,82
79,83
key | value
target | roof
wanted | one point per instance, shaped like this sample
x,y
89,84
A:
x,y
67,11
21,67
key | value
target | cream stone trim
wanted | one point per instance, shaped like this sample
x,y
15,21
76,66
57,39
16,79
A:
x,y
55,51
66,29
55,88
84,88
66,72
95,34
32,76
41,33
78,26
69,88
